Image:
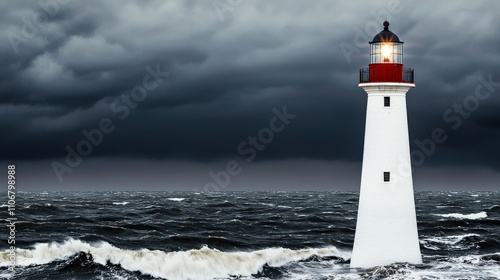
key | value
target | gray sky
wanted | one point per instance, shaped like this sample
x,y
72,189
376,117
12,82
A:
x,y
169,91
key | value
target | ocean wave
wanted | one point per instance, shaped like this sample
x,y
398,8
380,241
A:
x,y
452,242
473,216
470,267
121,203
467,267
301,215
494,208
153,206
205,263
176,199
268,204
225,203
39,205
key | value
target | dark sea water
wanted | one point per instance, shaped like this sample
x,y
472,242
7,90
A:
x,y
238,235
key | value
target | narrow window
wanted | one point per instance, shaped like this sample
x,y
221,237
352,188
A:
x,y
387,176
387,101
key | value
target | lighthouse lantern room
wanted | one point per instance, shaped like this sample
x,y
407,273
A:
x,y
386,60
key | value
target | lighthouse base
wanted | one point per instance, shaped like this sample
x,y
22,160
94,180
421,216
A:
x,y
386,230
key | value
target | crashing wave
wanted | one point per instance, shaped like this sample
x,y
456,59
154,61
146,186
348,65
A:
x,y
473,216
204,263
454,242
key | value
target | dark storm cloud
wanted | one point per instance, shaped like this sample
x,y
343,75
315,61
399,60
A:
x,y
227,75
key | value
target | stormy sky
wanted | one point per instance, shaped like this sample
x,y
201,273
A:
x,y
239,95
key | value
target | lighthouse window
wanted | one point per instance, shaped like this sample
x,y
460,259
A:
x,y
387,101
387,176
386,52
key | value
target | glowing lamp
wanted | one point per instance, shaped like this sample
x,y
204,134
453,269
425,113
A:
x,y
386,53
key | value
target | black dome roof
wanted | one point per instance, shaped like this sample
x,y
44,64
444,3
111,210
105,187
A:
x,y
385,35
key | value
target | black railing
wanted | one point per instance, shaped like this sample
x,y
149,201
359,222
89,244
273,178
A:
x,y
364,75
408,75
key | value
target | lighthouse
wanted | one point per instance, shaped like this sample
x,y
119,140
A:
x,y
386,229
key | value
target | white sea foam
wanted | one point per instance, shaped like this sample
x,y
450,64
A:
x,y
463,267
300,215
44,204
176,199
448,242
199,264
268,204
473,216
153,206
121,203
452,239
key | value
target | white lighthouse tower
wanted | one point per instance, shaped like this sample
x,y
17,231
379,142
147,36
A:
x,y
386,230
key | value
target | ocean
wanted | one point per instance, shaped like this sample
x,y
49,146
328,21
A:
x,y
237,235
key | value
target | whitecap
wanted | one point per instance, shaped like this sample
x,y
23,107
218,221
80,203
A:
x,y
473,216
205,263
121,203
176,199
448,242
44,204
301,215
268,204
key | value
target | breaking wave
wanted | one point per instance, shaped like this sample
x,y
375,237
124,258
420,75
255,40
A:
x,y
204,263
453,242
121,203
176,199
473,216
